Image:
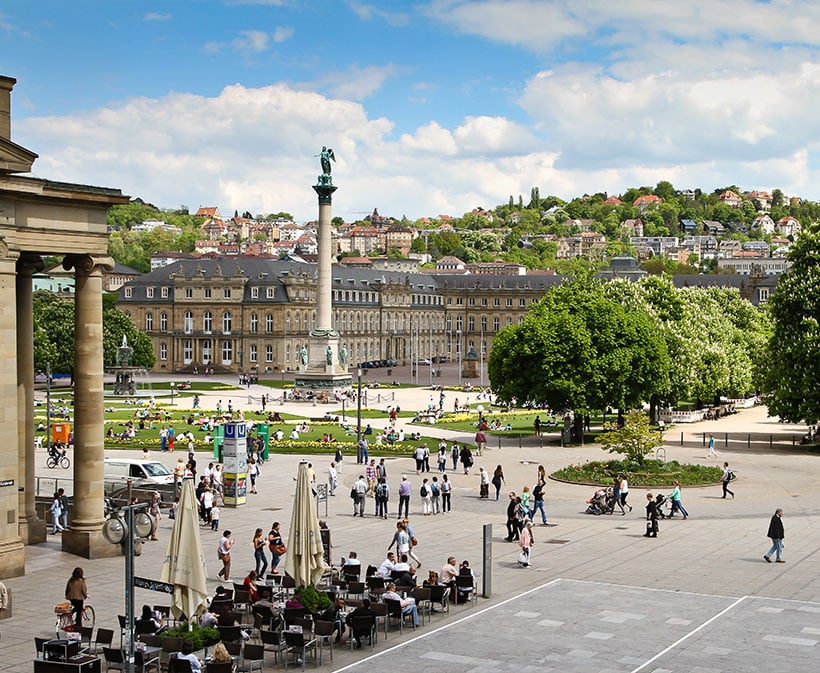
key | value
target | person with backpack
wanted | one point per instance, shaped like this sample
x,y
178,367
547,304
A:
x,y
728,475
382,494
426,497
435,492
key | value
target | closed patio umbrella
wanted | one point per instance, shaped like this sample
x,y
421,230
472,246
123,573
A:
x,y
304,561
184,564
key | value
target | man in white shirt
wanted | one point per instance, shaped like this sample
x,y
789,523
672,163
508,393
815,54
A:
x,y
332,478
387,566
360,488
279,435
449,572
294,434
408,605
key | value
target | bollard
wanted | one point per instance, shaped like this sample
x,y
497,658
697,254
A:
x,y
681,439
499,442
749,441
725,440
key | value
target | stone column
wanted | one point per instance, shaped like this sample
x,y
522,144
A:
x,y
84,536
324,289
32,529
12,551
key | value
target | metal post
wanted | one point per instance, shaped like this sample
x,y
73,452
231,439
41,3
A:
x,y
344,417
487,561
359,417
48,406
458,347
129,581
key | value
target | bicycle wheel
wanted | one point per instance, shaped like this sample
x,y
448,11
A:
x,y
89,618
51,463
65,463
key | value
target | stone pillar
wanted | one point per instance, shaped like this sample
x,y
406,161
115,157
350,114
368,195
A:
x,y
84,536
12,551
32,529
324,288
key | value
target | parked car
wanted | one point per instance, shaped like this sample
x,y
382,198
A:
x,y
439,359
423,361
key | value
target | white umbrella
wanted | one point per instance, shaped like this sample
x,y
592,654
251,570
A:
x,y
304,561
184,564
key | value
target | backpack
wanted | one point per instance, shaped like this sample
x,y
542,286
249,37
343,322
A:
x,y
435,488
423,491
381,491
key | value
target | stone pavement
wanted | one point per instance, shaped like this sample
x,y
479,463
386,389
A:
x,y
692,572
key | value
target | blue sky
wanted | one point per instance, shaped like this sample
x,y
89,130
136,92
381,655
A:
x,y
435,106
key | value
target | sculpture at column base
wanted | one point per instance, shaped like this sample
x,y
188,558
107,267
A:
x,y
325,370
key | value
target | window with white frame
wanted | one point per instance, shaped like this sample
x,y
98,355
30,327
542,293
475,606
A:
x,y
163,292
129,292
149,322
188,323
226,293
163,322
187,351
269,323
207,322
189,293
269,292
207,293
206,351
227,352
227,321
268,353
254,353
163,351
254,323
149,292
254,293
496,324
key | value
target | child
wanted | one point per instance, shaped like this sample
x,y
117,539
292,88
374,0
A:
x,y
215,517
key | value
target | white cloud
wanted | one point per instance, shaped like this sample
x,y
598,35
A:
x,y
282,34
355,83
367,11
251,41
156,16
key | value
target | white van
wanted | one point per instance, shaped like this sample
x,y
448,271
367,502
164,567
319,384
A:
x,y
139,471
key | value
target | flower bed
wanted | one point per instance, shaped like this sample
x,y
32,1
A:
x,y
650,474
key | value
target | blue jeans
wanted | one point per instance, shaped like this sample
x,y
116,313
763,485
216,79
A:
x,y
777,546
404,503
678,505
537,505
412,610
261,560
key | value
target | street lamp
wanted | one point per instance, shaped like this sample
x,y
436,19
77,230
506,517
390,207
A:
x,y
118,531
173,387
359,417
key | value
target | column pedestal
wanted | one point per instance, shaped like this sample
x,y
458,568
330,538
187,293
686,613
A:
x,y
319,376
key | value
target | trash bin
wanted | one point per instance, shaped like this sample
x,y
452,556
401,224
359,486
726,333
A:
x,y
60,432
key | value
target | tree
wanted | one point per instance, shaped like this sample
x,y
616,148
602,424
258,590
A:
x,y
793,371
635,440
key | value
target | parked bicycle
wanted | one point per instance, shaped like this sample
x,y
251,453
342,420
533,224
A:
x,y
56,456
65,618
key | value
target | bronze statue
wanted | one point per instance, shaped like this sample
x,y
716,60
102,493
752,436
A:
x,y
325,157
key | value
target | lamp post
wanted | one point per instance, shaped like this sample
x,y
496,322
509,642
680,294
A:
x,y
344,402
173,387
359,416
117,531
48,406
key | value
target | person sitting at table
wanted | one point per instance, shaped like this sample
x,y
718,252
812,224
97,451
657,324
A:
x,y
295,601
251,587
187,652
220,655
408,605
352,561
209,619
465,570
334,614
363,611
449,573
148,619
387,566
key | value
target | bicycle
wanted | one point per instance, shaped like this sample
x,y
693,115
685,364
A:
x,y
56,457
65,618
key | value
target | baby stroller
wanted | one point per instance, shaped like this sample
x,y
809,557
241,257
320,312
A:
x,y
663,505
601,502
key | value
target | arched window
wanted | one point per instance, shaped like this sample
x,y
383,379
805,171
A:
x,y
188,326
287,324
149,322
163,322
226,322
207,322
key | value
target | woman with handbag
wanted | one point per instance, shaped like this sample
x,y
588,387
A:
x,y
259,556
276,546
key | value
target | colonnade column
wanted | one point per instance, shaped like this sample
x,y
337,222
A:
x,y
12,551
84,536
31,528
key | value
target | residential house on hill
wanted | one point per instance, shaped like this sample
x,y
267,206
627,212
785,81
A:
x,y
788,226
643,202
765,223
210,213
730,198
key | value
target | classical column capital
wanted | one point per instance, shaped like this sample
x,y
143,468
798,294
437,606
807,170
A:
x,y
5,252
29,263
87,264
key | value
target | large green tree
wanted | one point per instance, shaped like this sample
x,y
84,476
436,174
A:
x,y
54,335
793,373
578,349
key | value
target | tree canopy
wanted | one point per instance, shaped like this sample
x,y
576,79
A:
x,y
793,374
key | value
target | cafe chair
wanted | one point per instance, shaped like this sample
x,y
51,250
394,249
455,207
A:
x,y
104,639
466,589
325,633
253,658
114,659
362,627
299,646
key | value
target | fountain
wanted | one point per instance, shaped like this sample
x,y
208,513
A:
x,y
126,375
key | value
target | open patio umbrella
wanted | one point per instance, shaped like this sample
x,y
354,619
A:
x,y
304,562
184,564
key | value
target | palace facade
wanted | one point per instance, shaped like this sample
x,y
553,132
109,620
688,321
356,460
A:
x,y
253,314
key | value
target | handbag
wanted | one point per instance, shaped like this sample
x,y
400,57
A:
x,y
353,493
523,557
279,549
413,541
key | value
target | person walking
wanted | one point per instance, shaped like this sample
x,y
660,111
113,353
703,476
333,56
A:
x,y
76,592
224,555
418,454
276,546
651,517
498,480
538,501
512,529
480,441
56,512
154,513
466,457
776,535
442,458
484,483
332,478
404,496
711,453
624,487
338,458
259,555
728,475
526,543
382,494
454,454
676,502
371,476
63,507
446,491
359,493
253,472
426,497
616,494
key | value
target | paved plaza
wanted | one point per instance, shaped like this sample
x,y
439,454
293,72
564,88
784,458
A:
x,y
599,596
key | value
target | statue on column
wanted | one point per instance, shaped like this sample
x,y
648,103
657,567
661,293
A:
x,y
343,356
325,157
